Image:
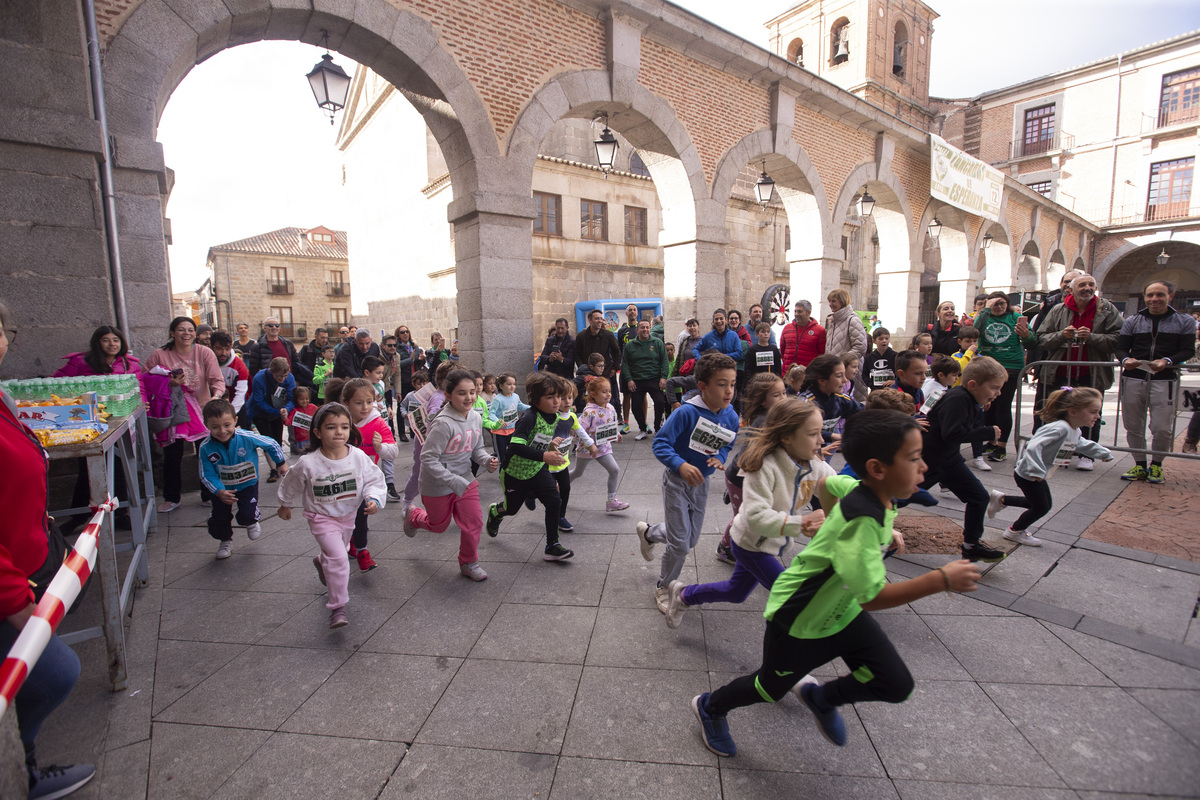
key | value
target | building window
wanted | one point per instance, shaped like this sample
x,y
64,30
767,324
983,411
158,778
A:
x,y
278,283
1170,189
635,226
339,316
839,41
787,237
637,166
321,237
1180,97
1042,187
795,52
548,221
1039,130
284,315
900,49
593,220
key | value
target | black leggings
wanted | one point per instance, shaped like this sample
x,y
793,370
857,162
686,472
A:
x,y
1037,501
541,487
999,413
563,479
960,480
272,426
876,670
173,470
359,539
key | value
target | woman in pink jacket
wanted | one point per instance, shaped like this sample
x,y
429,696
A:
x,y
197,370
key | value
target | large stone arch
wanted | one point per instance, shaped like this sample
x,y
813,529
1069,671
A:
x,y
900,262
805,204
954,246
693,234
159,43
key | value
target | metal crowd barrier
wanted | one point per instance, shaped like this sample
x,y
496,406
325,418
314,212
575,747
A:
x,y
1116,366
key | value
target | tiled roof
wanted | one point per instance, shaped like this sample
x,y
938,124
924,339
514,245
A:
x,y
291,242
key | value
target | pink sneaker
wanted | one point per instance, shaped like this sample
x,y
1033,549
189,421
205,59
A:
x,y
615,504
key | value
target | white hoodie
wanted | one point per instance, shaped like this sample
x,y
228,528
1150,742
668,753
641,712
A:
x,y
333,488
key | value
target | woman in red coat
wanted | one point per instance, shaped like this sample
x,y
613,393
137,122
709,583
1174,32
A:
x,y
23,549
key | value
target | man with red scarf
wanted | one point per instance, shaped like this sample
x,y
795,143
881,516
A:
x,y
1084,327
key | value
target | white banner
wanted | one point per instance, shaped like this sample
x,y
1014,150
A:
x,y
964,182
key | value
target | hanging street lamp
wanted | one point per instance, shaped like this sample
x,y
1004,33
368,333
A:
x,y
765,187
866,203
935,229
330,84
606,145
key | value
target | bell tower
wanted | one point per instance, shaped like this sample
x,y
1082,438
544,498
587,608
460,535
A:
x,y
876,49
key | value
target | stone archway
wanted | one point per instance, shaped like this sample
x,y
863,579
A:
x,y
997,257
692,238
159,44
1029,269
953,244
900,265
805,204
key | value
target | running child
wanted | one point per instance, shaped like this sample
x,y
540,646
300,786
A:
x,y
599,421
374,372
1053,444
944,374
823,386
781,465
489,388
505,408
531,450
815,610
595,369
419,422
448,489
300,420
695,440
229,470
881,362
333,482
762,394
911,369
359,396
566,432
953,422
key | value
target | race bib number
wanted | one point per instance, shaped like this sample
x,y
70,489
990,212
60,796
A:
x,y
1064,455
542,442
236,474
279,397
564,447
709,437
830,425
302,422
325,492
881,376
509,416
764,358
931,401
607,433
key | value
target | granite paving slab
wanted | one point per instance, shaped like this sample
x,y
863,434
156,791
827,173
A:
x,y
1012,650
635,637
1101,739
190,762
309,627
927,737
566,583
236,573
920,645
1179,708
182,665
524,707
433,772
544,633
245,617
637,715
756,785
595,779
375,696
936,790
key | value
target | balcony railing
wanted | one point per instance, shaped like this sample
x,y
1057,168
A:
x,y
1139,213
280,287
337,289
1174,116
1161,211
1043,145
333,328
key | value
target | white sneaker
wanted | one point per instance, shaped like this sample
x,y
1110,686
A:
x,y
410,530
1021,537
225,549
995,503
980,464
1086,464
253,531
166,507
662,598
641,435
645,544
473,571
675,605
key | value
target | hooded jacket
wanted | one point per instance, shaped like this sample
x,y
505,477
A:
x,y
453,442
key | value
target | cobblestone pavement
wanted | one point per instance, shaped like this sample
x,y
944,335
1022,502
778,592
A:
x,y
1074,672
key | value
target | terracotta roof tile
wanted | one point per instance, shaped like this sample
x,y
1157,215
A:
x,y
291,242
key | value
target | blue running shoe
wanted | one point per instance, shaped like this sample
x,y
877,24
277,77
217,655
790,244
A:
x,y
830,722
714,730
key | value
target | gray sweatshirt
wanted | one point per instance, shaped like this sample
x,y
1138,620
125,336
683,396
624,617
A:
x,y
1055,440
453,442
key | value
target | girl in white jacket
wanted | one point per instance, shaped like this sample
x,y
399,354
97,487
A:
x,y
1052,445
454,440
781,465
330,482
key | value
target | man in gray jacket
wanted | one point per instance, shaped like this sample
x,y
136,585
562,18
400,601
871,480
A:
x,y
1083,327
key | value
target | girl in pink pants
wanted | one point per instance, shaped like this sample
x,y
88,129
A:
x,y
331,481
454,440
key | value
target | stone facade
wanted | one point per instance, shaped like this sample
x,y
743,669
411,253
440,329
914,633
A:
x,y
252,276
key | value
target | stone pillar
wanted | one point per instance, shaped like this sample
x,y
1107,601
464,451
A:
x,y
494,272
812,279
693,281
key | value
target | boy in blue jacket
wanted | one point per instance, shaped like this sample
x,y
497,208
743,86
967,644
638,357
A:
x,y
271,403
229,469
694,441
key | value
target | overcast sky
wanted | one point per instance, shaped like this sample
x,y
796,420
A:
x,y
252,153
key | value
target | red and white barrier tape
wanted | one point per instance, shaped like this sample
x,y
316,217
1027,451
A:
x,y
55,603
